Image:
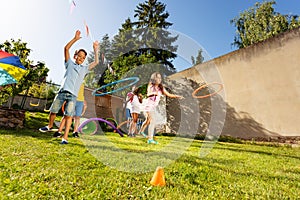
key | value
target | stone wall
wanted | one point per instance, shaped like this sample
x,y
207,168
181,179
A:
x,y
261,87
10,118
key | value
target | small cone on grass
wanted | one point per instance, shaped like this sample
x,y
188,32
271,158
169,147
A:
x,y
158,178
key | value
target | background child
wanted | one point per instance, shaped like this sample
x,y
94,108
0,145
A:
x,y
154,90
136,105
128,100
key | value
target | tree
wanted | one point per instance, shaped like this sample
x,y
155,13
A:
x,y
35,73
152,28
199,59
142,42
261,22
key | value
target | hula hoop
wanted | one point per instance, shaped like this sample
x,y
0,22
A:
x,y
106,127
208,95
101,120
121,124
134,79
113,121
88,127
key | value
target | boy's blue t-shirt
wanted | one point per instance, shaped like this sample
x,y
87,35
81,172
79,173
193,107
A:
x,y
73,77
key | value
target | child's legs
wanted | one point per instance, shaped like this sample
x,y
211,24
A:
x,y
146,122
76,123
78,111
55,107
52,117
68,125
132,128
62,124
69,111
152,124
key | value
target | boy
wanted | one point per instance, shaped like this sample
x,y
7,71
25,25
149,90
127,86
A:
x,y
73,78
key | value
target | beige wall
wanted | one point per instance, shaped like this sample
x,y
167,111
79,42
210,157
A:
x,y
262,82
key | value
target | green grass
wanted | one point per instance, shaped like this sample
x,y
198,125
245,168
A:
x,y
34,165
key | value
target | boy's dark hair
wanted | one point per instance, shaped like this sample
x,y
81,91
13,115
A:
x,y
82,51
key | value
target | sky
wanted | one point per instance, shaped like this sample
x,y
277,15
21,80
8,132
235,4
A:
x,y
47,25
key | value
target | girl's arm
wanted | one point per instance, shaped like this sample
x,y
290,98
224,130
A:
x,y
84,107
165,92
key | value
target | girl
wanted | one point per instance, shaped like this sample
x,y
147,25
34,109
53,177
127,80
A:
x,y
136,104
154,90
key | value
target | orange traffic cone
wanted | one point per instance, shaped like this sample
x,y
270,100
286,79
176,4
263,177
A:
x,y
158,178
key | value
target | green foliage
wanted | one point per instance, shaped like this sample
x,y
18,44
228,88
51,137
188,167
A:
x,y
261,22
42,90
199,59
138,43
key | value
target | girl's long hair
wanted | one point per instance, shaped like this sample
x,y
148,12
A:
x,y
153,80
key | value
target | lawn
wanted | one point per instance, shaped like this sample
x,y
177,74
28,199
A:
x,y
106,166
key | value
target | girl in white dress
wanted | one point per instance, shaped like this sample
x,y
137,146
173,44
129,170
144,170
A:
x,y
154,90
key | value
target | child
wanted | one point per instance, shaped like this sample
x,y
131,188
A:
x,y
80,109
136,104
73,78
128,105
154,90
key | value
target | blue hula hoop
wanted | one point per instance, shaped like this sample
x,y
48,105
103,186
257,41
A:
x,y
101,120
134,79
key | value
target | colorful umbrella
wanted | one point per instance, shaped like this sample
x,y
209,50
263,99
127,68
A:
x,y
11,68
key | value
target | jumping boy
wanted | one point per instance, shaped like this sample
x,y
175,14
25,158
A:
x,y
73,78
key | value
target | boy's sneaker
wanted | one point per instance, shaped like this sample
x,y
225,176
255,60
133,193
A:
x,y
64,141
152,141
45,129
75,134
57,134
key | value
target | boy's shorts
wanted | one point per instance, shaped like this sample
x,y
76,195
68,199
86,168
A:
x,y
78,108
60,98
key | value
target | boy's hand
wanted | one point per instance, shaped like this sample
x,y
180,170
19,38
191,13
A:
x,y
77,35
96,45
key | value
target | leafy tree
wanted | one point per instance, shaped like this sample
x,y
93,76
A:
x,y
199,59
151,27
142,43
261,22
35,73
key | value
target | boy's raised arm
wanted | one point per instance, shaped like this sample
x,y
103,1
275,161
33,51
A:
x,y
96,61
69,44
